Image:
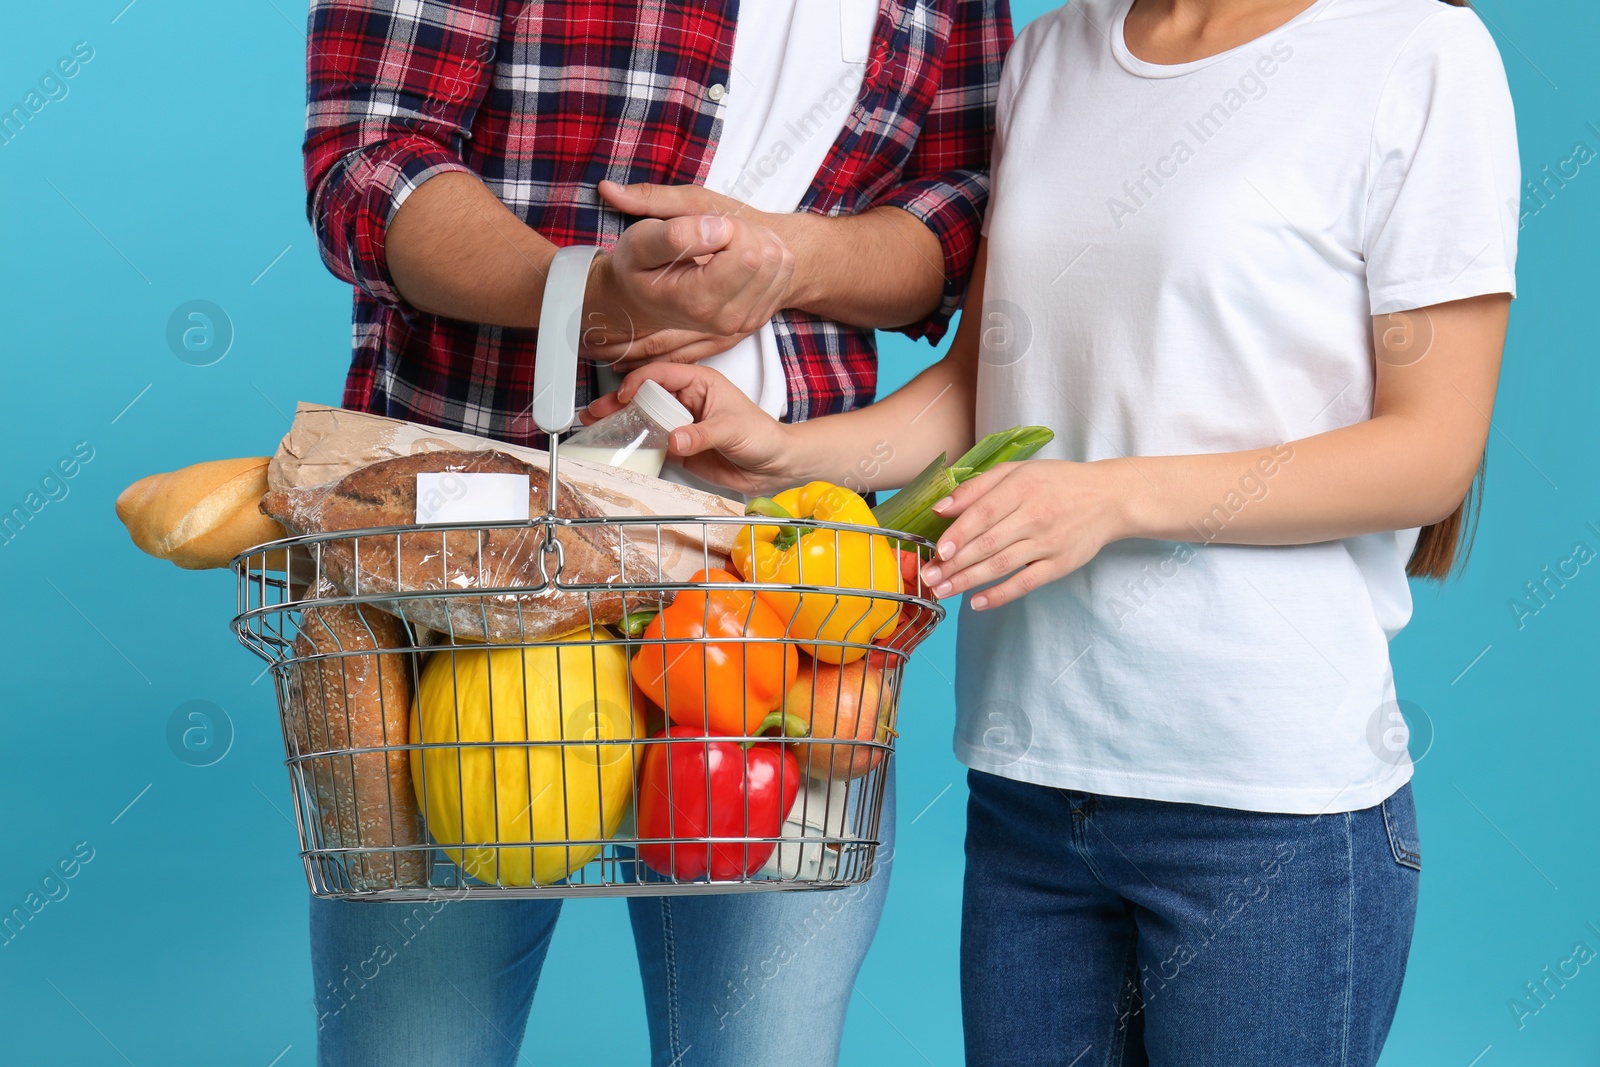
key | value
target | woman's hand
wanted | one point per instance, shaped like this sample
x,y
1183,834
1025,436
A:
x,y
1037,521
731,443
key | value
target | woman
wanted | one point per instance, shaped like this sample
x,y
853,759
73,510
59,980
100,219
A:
x,y
1251,259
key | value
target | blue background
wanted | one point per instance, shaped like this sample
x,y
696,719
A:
x,y
171,172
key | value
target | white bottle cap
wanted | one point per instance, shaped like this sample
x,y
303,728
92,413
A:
x,y
661,407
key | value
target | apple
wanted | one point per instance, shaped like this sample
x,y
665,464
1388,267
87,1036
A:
x,y
850,704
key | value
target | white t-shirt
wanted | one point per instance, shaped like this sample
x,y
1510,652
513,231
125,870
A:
x,y
797,70
1185,259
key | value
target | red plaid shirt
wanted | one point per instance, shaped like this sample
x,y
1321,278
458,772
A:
x,y
543,99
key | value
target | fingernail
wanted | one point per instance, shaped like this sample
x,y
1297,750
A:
x,y
680,441
713,228
979,603
947,550
943,589
931,574
946,502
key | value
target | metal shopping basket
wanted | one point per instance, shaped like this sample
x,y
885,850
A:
x,y
474,810
429,758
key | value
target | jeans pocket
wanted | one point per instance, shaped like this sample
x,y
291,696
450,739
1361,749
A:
x,y
1400,821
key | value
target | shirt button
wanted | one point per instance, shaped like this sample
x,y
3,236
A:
x,y
717,91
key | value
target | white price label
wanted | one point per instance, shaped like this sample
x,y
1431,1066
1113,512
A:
x,y
455,497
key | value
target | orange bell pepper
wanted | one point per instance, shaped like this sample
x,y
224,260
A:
x,y
724,687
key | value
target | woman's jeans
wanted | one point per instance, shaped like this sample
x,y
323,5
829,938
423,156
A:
x,y
1100,931
735,979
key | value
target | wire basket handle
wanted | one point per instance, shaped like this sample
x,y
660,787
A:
x,y
555,365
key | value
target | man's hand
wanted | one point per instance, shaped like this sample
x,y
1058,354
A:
x,y
671,201
881,269
683,288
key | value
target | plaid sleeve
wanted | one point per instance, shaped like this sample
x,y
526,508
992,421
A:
x,y
392,87
946,178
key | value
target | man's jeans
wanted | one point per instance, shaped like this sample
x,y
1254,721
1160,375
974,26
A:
x,y
1100,931
736,979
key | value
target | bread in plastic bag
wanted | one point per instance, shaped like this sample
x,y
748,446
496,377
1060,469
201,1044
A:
x,y
458,561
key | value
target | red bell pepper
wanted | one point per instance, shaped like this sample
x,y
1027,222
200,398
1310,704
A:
x,y
693,788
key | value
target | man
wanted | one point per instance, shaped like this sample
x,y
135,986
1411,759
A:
x,y
802,173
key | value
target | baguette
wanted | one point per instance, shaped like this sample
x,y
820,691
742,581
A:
x,y
201,516
462,561
356,697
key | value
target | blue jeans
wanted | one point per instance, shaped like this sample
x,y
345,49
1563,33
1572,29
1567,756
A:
x,y
735,979
1102,931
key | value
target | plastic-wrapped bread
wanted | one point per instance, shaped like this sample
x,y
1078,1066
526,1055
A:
x,y
326,443
346,692
461,561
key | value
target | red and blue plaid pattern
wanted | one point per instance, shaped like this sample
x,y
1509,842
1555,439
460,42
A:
x,y
544,99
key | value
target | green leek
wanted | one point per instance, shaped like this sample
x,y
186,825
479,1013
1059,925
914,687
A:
x,y
910,511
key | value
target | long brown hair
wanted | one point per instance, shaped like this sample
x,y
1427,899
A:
x,y
1445,545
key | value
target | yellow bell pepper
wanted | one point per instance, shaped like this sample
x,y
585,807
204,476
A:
x,y
790,555
516,794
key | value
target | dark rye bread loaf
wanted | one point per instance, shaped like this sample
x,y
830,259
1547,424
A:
x,y
461,561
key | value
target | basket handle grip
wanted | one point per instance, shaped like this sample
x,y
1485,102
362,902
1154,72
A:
x,y
555,367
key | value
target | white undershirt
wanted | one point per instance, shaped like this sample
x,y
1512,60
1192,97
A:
x,y
797,69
